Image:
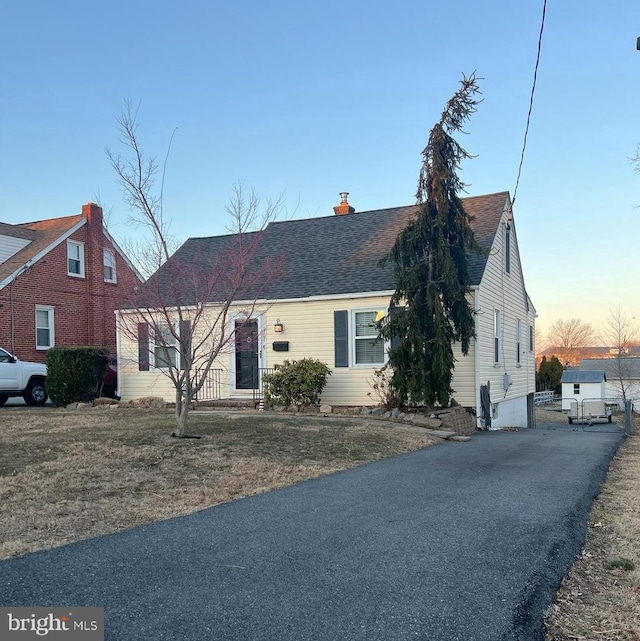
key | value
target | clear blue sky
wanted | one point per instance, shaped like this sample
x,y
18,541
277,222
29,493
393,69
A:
x,y
314,98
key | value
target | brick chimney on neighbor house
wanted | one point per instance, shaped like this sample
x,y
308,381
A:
x,y
344,207
94,247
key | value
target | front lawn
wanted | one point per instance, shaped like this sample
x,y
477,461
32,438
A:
x,y
72,474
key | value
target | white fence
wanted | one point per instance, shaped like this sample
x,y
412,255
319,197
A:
x,y
541,398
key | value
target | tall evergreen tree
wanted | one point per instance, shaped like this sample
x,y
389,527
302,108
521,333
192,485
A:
x,y
430,310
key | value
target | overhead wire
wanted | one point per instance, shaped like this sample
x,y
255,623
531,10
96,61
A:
x,y
533,90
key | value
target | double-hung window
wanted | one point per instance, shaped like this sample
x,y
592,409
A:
x,y
368,349
497,335
75,259
531,344
109,261
166,353
44,327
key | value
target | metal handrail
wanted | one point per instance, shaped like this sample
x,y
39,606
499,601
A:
x,y
211,388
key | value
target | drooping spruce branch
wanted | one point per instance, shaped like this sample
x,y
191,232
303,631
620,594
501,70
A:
x,y
430,262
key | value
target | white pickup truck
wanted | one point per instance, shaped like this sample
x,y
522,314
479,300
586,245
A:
x,y
21,378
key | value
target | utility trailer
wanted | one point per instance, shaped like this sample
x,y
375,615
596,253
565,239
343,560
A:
x,y
588,410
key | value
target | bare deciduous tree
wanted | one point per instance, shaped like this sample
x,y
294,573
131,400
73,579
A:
x,y
619,333
181,314
568,337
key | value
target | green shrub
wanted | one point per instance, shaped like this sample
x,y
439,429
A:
x,y
75,374
296,382
620,563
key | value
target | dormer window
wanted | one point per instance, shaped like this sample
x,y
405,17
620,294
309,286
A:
x,y
75,259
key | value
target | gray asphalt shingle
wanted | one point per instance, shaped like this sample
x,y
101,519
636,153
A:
x,y
324,256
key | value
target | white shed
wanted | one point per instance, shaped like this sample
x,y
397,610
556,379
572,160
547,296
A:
x,y
584,394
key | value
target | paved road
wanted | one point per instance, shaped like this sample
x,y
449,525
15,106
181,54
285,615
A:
x,y
465,541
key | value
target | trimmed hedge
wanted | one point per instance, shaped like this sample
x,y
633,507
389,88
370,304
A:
x,y
296,382
75,374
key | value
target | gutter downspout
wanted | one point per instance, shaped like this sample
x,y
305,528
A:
x,y
476,356
118,358
13,332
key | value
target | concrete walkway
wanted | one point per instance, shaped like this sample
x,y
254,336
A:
x,y
464,541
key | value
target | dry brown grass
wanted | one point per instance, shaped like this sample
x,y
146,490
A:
x,y
598,601
68,475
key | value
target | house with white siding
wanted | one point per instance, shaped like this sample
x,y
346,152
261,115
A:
x,y
316,291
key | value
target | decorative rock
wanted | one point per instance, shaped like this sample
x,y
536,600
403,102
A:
x,y
71,406
310,409
387,414
460,439
395,412
409,418
365,411
378,411
425,421
326,409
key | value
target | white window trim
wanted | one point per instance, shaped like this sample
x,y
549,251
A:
x,y
531,339
153,345
353,339
497,334
112,264
76,243
51,328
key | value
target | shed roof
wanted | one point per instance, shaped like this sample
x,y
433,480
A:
x,y
579,376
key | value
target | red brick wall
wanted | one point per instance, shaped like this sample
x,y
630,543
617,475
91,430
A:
x,y
83,307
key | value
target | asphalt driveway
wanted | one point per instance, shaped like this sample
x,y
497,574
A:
x,y
464,541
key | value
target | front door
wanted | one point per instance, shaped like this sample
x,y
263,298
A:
x,y
247,354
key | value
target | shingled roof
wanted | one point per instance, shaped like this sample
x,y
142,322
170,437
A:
x,y
326,256
42,234
581,376
625,367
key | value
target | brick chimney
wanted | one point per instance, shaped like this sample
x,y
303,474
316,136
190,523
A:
x,y
94,269
344,207
93,214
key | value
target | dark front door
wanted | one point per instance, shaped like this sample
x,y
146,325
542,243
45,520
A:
x,y
246,354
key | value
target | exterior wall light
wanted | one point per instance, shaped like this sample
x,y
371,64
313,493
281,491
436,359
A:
x,y
278,328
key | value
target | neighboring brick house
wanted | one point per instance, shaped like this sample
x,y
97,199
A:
x,y
60,281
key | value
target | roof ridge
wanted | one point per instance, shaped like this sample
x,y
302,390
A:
x,y
49,220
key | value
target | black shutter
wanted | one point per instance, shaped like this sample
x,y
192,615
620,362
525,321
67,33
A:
x,y
341,338
185,342
143,347
395,338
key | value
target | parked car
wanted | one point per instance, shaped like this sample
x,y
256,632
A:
x,y
22,378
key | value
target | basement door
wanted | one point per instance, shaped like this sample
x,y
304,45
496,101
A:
x,y
247,350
